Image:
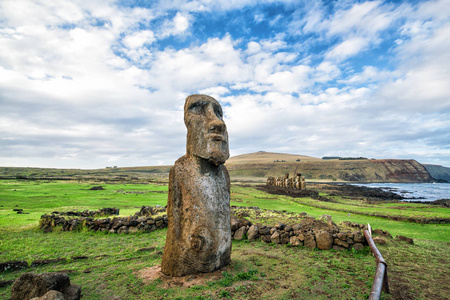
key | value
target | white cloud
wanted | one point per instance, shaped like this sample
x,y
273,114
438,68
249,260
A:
x,y
139,38
216,91
347,48
368,75
90,84
178,26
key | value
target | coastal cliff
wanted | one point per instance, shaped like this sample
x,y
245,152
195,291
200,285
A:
x,y
438,172
358,170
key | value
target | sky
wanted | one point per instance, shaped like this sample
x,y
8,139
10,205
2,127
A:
x,y
93,84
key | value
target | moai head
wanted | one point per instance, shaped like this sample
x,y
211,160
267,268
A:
x,y
207,135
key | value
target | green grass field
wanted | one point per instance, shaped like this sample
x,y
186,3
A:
x,y
258,271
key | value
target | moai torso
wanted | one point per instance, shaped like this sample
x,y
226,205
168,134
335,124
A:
x,y
199,233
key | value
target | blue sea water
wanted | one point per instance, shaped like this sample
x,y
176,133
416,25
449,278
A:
x,y
424,191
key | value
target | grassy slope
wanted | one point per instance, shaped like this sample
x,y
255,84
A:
x,y
258,270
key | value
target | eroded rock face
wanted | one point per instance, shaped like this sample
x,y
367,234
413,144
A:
x,y
198,208
32,285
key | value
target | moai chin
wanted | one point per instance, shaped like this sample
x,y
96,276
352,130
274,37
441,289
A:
x,y
198,207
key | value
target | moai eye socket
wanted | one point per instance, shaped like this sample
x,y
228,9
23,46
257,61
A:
x,y
218,112
198,107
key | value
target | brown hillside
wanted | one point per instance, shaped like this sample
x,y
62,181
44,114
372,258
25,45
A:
x,y
386,170
263,157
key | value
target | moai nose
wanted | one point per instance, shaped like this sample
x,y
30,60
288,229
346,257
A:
x,y
217,127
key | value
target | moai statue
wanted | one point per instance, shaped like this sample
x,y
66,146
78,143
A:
x,y
298,181
270,181
303,184
286,180
198,207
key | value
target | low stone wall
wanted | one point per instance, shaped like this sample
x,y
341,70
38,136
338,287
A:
x,y
323,234
130,224
97,213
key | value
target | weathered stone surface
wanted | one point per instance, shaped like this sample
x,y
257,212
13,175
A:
x,y
51,295
342,236
358,246
237,222
297,227
13,265
198,207
310,242
294,241
253,233
341,243
301,237
284,238
358,237
123,229
264,230
240,233
275,238
266,238
31,285
73,292
324,240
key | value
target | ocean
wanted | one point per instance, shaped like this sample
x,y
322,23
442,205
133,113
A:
x,y
424,191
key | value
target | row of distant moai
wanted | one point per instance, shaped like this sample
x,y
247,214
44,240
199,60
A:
x,y
298,182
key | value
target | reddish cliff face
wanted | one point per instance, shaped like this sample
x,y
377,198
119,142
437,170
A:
x,y
396,170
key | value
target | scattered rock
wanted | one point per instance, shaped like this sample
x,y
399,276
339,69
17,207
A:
x,y
4,283
146,249
79,257
382,233
13,265
32,285
97,188
379,240
404,239
42,262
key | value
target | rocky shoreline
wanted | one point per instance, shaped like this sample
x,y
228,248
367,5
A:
x,y
371,194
